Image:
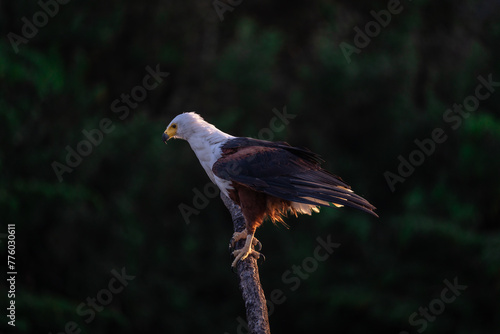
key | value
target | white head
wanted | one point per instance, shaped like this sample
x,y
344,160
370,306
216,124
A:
x,y
191,126
184,126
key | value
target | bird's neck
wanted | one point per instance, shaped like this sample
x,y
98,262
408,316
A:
x,y
207,136
206,142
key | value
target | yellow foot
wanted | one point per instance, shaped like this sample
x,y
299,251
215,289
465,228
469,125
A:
x,y
245,251
237,236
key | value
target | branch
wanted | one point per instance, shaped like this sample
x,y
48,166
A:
x,y
248,273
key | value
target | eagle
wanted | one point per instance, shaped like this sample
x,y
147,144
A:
x,y
267,180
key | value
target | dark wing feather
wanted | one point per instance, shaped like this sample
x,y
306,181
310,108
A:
x,y
286,172
242,142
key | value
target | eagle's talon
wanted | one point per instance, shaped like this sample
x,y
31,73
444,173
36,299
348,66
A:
x,y
237,236
242,253
257,245
261,257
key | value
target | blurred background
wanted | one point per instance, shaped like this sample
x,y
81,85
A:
x,y
95,194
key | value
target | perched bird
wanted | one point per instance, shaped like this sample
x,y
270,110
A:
x,y
266,179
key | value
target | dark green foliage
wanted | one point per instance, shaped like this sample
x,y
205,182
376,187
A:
x,y
119,207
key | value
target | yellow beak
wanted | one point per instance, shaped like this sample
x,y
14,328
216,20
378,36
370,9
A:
x,y
169,133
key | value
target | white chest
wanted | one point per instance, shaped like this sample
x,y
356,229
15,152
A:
x,y
208,153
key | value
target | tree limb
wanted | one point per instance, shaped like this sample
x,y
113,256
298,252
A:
x,y
248,273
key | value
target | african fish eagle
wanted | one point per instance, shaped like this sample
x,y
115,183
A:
x,y
265,179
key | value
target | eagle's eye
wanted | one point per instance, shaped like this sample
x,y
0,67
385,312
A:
x,y
174,126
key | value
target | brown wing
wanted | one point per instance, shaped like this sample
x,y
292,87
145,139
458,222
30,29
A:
x,y
285,172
